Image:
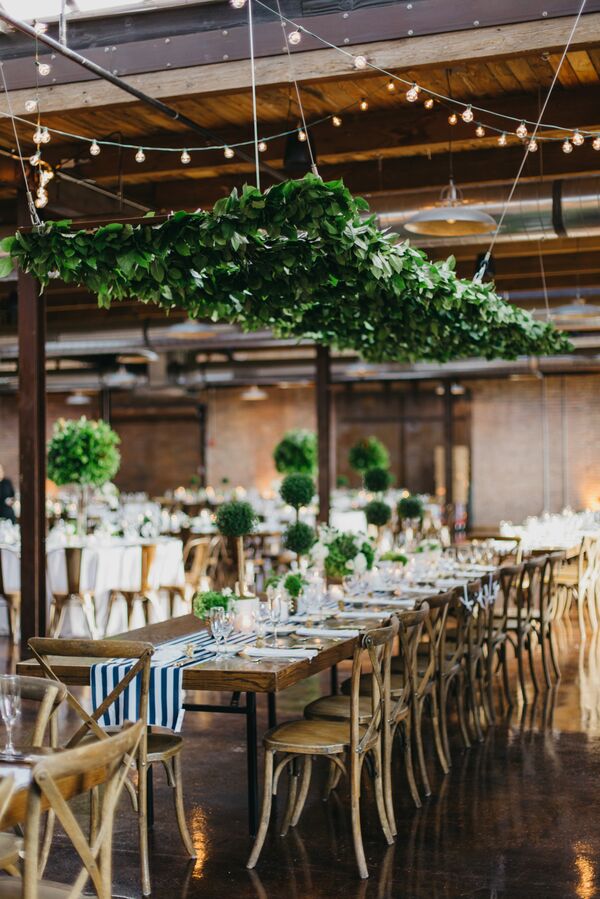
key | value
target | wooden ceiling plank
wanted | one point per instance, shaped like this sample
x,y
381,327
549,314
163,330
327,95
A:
x,y
583,67
566,75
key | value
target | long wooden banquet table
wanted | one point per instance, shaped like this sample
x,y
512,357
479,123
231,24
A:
x,y
229,673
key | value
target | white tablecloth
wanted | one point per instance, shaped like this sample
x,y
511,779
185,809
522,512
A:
x,y
104,567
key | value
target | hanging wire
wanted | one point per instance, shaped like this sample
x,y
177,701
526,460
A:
x,y
33,214
254,109
313,163
478,277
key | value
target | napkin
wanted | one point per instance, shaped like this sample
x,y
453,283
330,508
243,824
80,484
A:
x,y
326,632
360,616
164,655
256,652
420,591
392,602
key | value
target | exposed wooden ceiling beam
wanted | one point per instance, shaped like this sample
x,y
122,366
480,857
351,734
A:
x,y
321,65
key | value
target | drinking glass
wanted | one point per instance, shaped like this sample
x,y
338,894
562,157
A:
x,y
262,615
228,626
10,707
217,624
275,610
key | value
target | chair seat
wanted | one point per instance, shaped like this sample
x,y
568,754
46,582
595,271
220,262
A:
x,y
161,746
318,737
12,888
10,848
337,708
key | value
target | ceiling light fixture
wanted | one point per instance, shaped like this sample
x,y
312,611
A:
x,y
452,217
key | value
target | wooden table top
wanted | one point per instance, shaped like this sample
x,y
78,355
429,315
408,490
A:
x,y
22,773
228,673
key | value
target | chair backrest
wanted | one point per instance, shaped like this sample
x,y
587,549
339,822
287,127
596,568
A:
x,y
509,578
376,645
533,576
548,599
434,633
48,651
107,762
410,629
198,550
73,556
7,786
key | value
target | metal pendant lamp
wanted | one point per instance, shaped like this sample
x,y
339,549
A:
x,y
452,217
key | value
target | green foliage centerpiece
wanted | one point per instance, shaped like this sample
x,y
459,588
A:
x,y
236,520
297,490
342,553
209,599
368,453
296,453
84,454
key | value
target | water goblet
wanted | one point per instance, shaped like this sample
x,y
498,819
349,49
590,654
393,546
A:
x,y
262,615
217,623
228,625
10,707
275,610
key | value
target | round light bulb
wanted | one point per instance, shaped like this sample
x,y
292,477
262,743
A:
x,y
31,105
294,37
502,139
301,135
532,145
412,94
44,68
94,148
140,156
360,62
567,146
480,131
35,159
46,136
578,138
452,118
596,143
467,115
522,130
185,157
228,153
262,146
41,201
40,28
336,121
37,136
391,86
237,4
364,104
428,104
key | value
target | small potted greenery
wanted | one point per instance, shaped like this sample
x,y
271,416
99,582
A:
x,y
297,490
237,519
378,514
342,554
368,453
203,602
410,508
84,454
296,453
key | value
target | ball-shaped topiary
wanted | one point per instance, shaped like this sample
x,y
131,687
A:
x,y
377,480
299,538
368,453
83,452
236,519
296,453
297,490
410,507
378,513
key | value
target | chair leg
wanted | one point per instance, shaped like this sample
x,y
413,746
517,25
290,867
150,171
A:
x,y
379,797
266,810
387,742
355,769
57,628
505,675
443,705
180,809
418,708
472,682
143,827
460,704
553,652
520,652
331,779
303,793
89,613
408,763
14,619
489,664
531,654
292,794
435,720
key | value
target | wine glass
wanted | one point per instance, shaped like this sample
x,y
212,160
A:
x,y
217,624
275,610
228,625
262,614
10,707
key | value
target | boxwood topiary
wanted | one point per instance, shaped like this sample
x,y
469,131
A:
x,y
236,519
368,453
378,513
410,507
296,453
299,538
297,490
377,480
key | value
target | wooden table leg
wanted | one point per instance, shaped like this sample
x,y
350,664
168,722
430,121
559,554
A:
x,y
252,761
334,680
272,700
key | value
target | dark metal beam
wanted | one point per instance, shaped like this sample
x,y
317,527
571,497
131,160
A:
x,y
32,452
209,136
323,398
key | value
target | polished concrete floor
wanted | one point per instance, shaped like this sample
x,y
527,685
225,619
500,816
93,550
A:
x,y
517,816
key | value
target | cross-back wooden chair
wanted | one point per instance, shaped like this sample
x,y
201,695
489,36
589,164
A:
x,y
196,558
336,739
505,608
587,584
521,629
164,748
475,656
12,598
110,761
544,617
144,593
74,593
452,670
11,846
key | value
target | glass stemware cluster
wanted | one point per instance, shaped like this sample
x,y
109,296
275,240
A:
x,y
222,622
